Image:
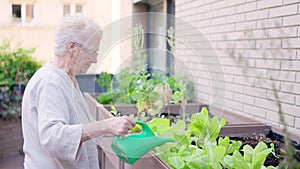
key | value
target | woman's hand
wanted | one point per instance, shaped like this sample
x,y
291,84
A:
x,y
115,125
120,125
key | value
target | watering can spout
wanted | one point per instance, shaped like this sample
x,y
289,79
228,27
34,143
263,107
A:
x,y
157,141
131,148
153,142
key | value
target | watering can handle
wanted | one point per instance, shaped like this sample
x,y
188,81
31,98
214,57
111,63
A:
x,y
146,131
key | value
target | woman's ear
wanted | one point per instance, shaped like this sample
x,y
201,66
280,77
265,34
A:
x,y
71,47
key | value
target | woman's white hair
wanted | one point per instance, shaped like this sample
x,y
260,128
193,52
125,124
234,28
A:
x,y
75,28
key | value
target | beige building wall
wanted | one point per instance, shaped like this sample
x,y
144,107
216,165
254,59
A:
x,y
272,49
118,52
40,31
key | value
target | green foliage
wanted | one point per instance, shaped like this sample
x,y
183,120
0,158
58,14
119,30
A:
x,y
252,158
126,83
202,126
9,102
144,93
148,90
289,161
185,87
117,89
17,66
197,145
115,112
105,97
104,81
159,126
230,145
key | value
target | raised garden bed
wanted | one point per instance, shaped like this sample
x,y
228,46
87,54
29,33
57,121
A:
x,y
269,137
127,109
107,159
248,132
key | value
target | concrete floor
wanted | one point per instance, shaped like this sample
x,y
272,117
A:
x,y
14,162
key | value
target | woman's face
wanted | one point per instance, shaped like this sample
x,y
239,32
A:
x,y
86,56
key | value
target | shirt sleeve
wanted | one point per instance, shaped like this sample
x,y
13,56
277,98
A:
x,y
58,137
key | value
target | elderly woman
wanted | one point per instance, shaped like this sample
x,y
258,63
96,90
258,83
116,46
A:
x,y
57,128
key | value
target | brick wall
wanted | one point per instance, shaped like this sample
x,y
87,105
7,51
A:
x,y
267,34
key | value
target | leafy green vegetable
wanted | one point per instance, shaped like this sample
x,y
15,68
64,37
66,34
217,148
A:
x,y
252,158
197,145
177,162
204,127
105,98
159,126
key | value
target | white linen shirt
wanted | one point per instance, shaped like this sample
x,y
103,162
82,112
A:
x,y
53,111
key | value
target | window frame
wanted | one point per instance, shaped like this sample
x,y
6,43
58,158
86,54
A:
x,y
72,8
24,19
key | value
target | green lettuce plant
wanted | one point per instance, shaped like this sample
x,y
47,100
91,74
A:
x,y
253,158
198,145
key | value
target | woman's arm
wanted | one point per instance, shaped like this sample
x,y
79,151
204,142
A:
x,y
115,125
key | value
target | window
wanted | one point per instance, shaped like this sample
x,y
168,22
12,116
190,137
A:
x,y
16,13
29,13
72,9
22,13
67,9
78,9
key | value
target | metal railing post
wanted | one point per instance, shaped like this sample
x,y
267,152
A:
x,y
121,164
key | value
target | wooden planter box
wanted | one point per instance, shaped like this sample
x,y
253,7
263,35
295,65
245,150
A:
x,y
175,109
108,160
246,127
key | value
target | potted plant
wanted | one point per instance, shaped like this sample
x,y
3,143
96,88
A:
x,y
17,66
124,90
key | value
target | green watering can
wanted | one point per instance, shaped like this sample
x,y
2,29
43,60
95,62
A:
x,y
132,147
